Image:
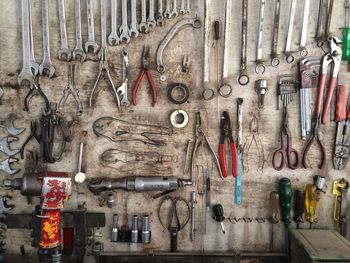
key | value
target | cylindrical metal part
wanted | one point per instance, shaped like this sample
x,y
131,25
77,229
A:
x,y
111,200
96,248
146,234
193,215
153,183
261,88
320,182
134,229
114,233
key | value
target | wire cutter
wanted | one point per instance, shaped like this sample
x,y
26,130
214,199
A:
x,y
104,68
342,136
145,62
286,152
226,133
333,56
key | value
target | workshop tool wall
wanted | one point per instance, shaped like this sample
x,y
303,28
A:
x,y
193,64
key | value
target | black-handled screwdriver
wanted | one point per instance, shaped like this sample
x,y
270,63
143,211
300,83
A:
x,y
219,215
299,207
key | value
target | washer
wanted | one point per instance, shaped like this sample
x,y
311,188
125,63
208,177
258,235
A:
x,y
181,88
179,119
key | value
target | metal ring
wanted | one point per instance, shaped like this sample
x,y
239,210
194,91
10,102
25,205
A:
x,y
260,65
243,79
290,58
160,68
304,52
173,87
275,62
174,119
222,90
208,94
162,78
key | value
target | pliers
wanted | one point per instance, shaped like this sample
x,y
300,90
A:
x,y
104,68
33,134
35,88
226,134
333,56
145,69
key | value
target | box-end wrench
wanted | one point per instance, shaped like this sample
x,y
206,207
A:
x,y
78,50
188,7
33,64
143,27
103,29
113,38
26,72
275,61
287,51
259,48
63,50
167,13
182,7
174,10
134,27
124,29
90,44
243,78
302,46
46,64
151,22
160,18
123,89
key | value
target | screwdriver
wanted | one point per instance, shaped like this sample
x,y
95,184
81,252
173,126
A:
x,y
346,39
285,196
299,205
310,203
274,206
219,215
216,39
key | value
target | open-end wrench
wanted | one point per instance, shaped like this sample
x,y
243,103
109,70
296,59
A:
x,y
90,44
302,46
113,38
124,29
160,18
8,124
259,48
321,22
287,50
167,13
134,29
143,27
33,64
182,7
275,61
188,7
4,206
78,50
63,50
26,72
103,28
243,78
123,89
46,63
5,146
151,22
5,166
174,10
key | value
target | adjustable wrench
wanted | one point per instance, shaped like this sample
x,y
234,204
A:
x,y
103,28
113,38
160,18
167,13
188,7
63,50
33,64
143,27
174,11
5,146
133,31
123,89
46,64
5,166
182,7
151,22
78,50
26,72
124,29
90,25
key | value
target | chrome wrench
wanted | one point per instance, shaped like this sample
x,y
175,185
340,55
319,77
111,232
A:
x,y
167,13
287,50
63,50
243,78
321,22
90,44
143,27
174,10
133,31
182,7
302,46
46,63
188,7
275,61
103,29
124,29
113,38
123,89
160,18
151,22
259,48
33,64
78,50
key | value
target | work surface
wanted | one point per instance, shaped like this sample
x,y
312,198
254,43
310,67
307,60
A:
x,y
257,183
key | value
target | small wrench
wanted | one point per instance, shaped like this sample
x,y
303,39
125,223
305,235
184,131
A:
x,y
124,29
182,7
143,25
5,146
174,11
133,31
33,64
46,63
151,22
160,18
78,50
63,50
90,43
8,124
167,13
5,166
113,38
188,7
103,29
123,89
4,206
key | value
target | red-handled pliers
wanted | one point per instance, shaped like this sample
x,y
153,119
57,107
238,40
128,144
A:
x,y
226,133
145,69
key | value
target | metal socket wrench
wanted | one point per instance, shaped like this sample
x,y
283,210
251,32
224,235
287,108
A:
x,y
114,233
134,229
146,234
111,200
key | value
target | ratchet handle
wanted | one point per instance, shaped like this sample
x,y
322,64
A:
x,y
321,86
173,239
340,108
332,84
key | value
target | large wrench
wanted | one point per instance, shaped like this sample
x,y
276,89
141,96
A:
x,y
5,146
103,28
5,166
243,78
188,7
63,50
33,64
124,29
78,50
274,57
174,10
151,22
143,25
302,46
182,7
167,13
160,18
287,50
113,38
26,72
46,64
123,89
259,48
90,43
8,124
133,31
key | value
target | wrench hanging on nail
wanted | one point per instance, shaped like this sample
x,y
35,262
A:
x,y
287,51
33,64
124,29
103,48
90,44
151,22
143,27
113,38
123,89
78,50
243,78
63,50
259,49
134,27
275,61
160,18
302,46
167,13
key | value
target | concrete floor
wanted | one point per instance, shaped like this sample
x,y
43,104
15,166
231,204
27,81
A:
x,y
257,184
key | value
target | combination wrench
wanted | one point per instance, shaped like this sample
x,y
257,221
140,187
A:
x,y
287,50
63,50
103,29
151,22
133,31
33,64
243,78
275,61
259,48
46,63
143,25
182,7
123,89
302,46
90,44
78,50
174,10
160,18
188,7
167,13
26,72
113,38
124,29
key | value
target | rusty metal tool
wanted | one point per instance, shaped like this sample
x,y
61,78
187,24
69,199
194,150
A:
x,y
274,218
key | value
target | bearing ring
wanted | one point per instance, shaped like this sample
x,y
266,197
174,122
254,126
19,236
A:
x,y
174,88
179,119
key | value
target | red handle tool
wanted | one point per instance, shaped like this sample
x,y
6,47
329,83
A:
x,y
234,159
